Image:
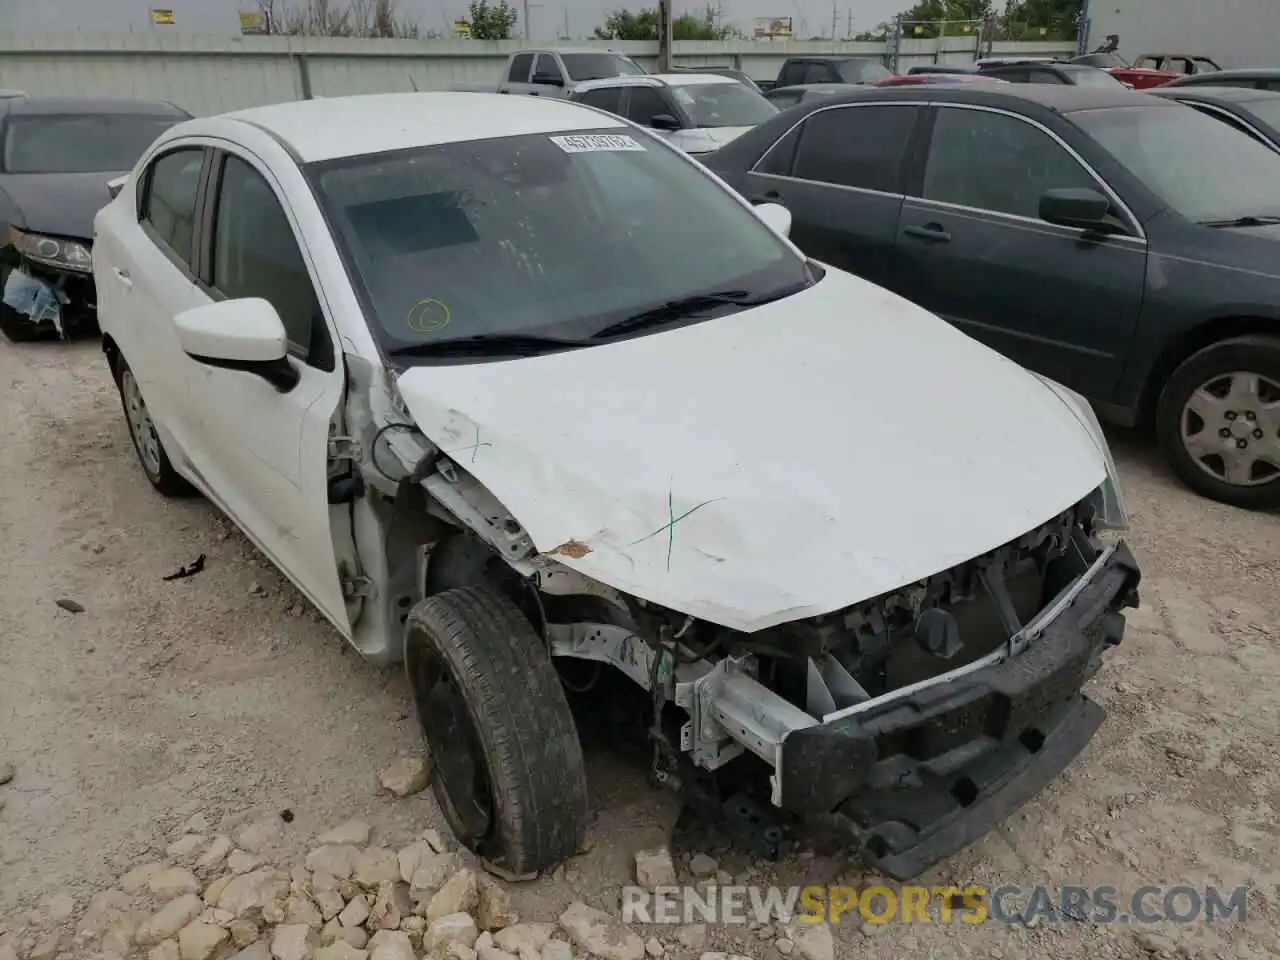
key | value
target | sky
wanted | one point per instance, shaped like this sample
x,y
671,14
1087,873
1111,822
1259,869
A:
x,y
547,17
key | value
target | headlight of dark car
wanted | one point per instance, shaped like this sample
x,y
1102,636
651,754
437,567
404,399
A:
x,y
52,251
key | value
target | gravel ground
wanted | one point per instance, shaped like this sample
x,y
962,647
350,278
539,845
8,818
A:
x,y
223,695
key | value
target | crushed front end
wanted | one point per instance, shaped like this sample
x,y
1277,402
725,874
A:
x,y
48,286
910,723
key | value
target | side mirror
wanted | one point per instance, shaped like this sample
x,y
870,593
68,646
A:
x,y
664,121
548,80
1074,207
776,217
116,184
245,334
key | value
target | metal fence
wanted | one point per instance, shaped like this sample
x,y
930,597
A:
x,y
207,75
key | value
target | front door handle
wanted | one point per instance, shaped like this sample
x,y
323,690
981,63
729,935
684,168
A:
x,y
123,276
930,231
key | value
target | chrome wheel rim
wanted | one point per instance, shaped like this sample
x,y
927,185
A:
x,y
140,425
1230,428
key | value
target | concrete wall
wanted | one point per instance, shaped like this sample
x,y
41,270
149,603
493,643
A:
x,y
206,75
1234,33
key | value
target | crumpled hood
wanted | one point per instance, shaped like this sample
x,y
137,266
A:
x,y
770,465
62,204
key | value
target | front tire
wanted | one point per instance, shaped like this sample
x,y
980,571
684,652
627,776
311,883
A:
x,y
1218,422
146,441
509,774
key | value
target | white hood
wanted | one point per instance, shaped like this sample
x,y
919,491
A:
x,y
706,139
822,450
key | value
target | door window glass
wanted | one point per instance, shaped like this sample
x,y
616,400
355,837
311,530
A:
x,y
819,72
170,207
547,70
609,98
855,146
255,253
646,103
992,161
521,64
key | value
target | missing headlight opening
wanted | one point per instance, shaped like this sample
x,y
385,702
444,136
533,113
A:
x,y
48,287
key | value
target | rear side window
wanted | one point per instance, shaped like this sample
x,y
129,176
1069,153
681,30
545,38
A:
x,y
608,98
521,66
862,70
792,73
855,146
169,206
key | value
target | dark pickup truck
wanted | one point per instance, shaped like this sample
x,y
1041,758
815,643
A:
x,y
805,70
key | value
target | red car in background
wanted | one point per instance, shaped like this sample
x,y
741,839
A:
x,y
935,78
1140,78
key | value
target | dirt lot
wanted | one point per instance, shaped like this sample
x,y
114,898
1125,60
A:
x,y
223,695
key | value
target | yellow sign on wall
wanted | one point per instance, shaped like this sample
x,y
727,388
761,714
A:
x,y
461,28
161,17
252,21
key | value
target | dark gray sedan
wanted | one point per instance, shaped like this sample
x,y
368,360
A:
x,y
1122,244
56,158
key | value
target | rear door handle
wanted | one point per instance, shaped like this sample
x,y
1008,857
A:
x,y
930,231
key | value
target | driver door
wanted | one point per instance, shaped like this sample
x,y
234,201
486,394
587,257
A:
x,y
265,453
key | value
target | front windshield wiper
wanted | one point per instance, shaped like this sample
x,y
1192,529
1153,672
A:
x,y
1248,221
488,345
677,310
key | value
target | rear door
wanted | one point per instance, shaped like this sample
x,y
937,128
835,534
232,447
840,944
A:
x,y
973,249
840,173
606,98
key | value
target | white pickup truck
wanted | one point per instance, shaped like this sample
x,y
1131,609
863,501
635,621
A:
x,y
550,73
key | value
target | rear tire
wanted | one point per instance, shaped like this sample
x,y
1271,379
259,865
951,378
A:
x,y
1209,394
146,441
508,774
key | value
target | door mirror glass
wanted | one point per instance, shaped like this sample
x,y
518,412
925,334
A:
x,y
664,121
1075,207
244,334
548,79
776,217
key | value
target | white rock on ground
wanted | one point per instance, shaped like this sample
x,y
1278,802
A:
x,y
136,879
104,909
600,934
341,950
168,920
165,950
199,941
376,866
356,912
355,832
692,935
461,894
173,882
522,937
723,956
703,866
391,945
329,902
257,950
495,911
293,941
46,947
406,776
257,836
338,860
556,950
391,906
214,854
245,892
813,941
184,846
244,932
454,928
241,862
431,873
654,868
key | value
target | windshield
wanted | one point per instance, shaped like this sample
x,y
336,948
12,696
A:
x,y
1267,111
599,66
547,235
1103,60
864,70
1198,166
1095,78
723,104
75,143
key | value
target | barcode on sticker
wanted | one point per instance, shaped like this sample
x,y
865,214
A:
x,y
593,142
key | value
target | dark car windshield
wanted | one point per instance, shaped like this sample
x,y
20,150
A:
x,y
723,104
79,143
599,66
1199,166
1106,61
541,235
863,70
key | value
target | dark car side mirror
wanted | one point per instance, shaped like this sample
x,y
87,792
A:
x,y
1076,207
548,80
664,121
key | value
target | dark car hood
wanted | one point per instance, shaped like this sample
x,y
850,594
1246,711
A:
x,y
62,204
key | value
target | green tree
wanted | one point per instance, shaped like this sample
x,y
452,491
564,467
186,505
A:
x,y
492,21
930,18
643,25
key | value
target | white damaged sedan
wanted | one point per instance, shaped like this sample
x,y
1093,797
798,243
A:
x,y
522,397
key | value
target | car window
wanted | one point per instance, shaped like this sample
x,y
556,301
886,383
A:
x,y
1169,150
1221,116
546,69
1269,84
1268,111
169,206
855,146
521,65
723,104
818,72
255,253
1095,78
646,103
1046,76
80,143
606,98
598,66
861,70
779,158
993,161
792,73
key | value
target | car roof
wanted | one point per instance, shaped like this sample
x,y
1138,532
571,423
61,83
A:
x,y
1058,98
336,127
817,87
1210,93
52,106
655,80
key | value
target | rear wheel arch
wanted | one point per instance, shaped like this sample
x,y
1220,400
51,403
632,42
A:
x,y
1184,347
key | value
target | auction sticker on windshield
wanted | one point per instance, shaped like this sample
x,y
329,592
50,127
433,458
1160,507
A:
x,y
595,142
